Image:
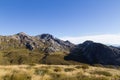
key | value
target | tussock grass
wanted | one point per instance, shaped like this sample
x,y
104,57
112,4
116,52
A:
x,y
69,69
57,72
105,73
25,56
83,66
41,72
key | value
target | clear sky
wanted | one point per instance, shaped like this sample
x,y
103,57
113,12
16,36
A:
x,y
61,18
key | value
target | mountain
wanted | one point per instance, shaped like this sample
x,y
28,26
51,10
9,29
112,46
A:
x,y
22,48
44,42
54,44
95,53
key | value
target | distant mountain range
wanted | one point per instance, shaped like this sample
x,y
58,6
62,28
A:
x,y
45,45
44,42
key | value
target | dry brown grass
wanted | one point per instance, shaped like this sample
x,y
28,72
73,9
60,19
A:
x,y
57,72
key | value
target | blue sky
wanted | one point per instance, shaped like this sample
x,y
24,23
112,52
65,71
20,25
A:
x,y
61,18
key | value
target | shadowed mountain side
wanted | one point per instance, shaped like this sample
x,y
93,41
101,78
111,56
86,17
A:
x,y
95,53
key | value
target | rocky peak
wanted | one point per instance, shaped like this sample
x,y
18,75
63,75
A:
x,y
26,40
55,44
46,36
22,33
44,42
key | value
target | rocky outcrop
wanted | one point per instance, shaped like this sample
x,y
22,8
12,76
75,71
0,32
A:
x,y
87,52
55,44
44,42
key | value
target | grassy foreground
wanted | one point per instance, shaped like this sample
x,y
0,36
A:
x,y
57,72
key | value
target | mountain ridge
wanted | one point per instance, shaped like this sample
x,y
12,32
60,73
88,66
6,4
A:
x,y
36,42
21,48
95,53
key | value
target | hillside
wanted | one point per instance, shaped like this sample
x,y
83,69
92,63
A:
x,y
44,42
21,48
95,53
42,49
44,57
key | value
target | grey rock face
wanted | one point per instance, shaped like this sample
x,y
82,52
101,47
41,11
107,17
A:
x,y
29,46
45,36
55,44
45,42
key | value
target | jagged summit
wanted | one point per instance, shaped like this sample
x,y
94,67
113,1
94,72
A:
x,y
45,36
45,42
54,43
87,52
22,33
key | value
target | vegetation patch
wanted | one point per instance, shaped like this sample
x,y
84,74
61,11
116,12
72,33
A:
x,y
69,69
41,72
57,69
105,73
84,66
57,72
17,76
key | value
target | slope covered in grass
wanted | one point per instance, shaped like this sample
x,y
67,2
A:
x,y
25,56
57,72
